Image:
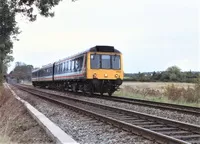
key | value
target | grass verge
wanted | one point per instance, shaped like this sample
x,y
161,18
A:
x,y
3,138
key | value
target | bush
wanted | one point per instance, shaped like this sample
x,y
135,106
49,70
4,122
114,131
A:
x,y
188,95
173,92
144,92
197,90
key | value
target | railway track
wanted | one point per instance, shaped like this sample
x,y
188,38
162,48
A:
x,y
154,128
159,105
164,106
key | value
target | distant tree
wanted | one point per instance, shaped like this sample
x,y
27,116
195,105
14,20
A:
x,y
174,73
174,69
158,76
164,76
22,72
173,77
183,77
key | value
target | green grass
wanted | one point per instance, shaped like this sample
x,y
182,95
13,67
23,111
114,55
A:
x,y
158,98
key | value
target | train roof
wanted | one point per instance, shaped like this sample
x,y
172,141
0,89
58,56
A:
x,y
43,67
35,70
103,48
97,48
47,66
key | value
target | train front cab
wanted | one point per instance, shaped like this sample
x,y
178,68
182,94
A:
x,y
105,71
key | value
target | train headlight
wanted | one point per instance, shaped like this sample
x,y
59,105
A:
x,y
94,75
105,75
116,75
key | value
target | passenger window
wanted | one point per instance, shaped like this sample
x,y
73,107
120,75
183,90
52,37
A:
x,y
72,65
57,69
76,65
47,72
60,68
81,63
67,66
63,67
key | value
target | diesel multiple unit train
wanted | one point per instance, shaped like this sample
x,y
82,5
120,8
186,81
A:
x,y
96,70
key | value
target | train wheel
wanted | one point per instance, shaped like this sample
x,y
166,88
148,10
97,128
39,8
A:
x,y
84,89
110,93
101,92
91,93
91,90
66,87
63,88
74,87
84,93
111,90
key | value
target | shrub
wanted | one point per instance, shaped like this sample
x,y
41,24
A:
x,y
197,90
188,95
144,92
173,92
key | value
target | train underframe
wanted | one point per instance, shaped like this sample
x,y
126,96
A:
x,y
85,86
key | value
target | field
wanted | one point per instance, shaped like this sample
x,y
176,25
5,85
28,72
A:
x,y
178,93
155,85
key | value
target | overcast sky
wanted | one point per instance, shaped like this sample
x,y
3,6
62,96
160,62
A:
x,y
151,34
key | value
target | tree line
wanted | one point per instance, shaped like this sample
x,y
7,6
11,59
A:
x,y
21,72
171,74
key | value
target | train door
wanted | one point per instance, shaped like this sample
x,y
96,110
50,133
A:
x,y
85,64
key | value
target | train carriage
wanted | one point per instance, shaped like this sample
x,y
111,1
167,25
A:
x,y
97,70
43,76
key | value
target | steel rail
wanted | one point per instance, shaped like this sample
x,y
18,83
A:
x,y
161,105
